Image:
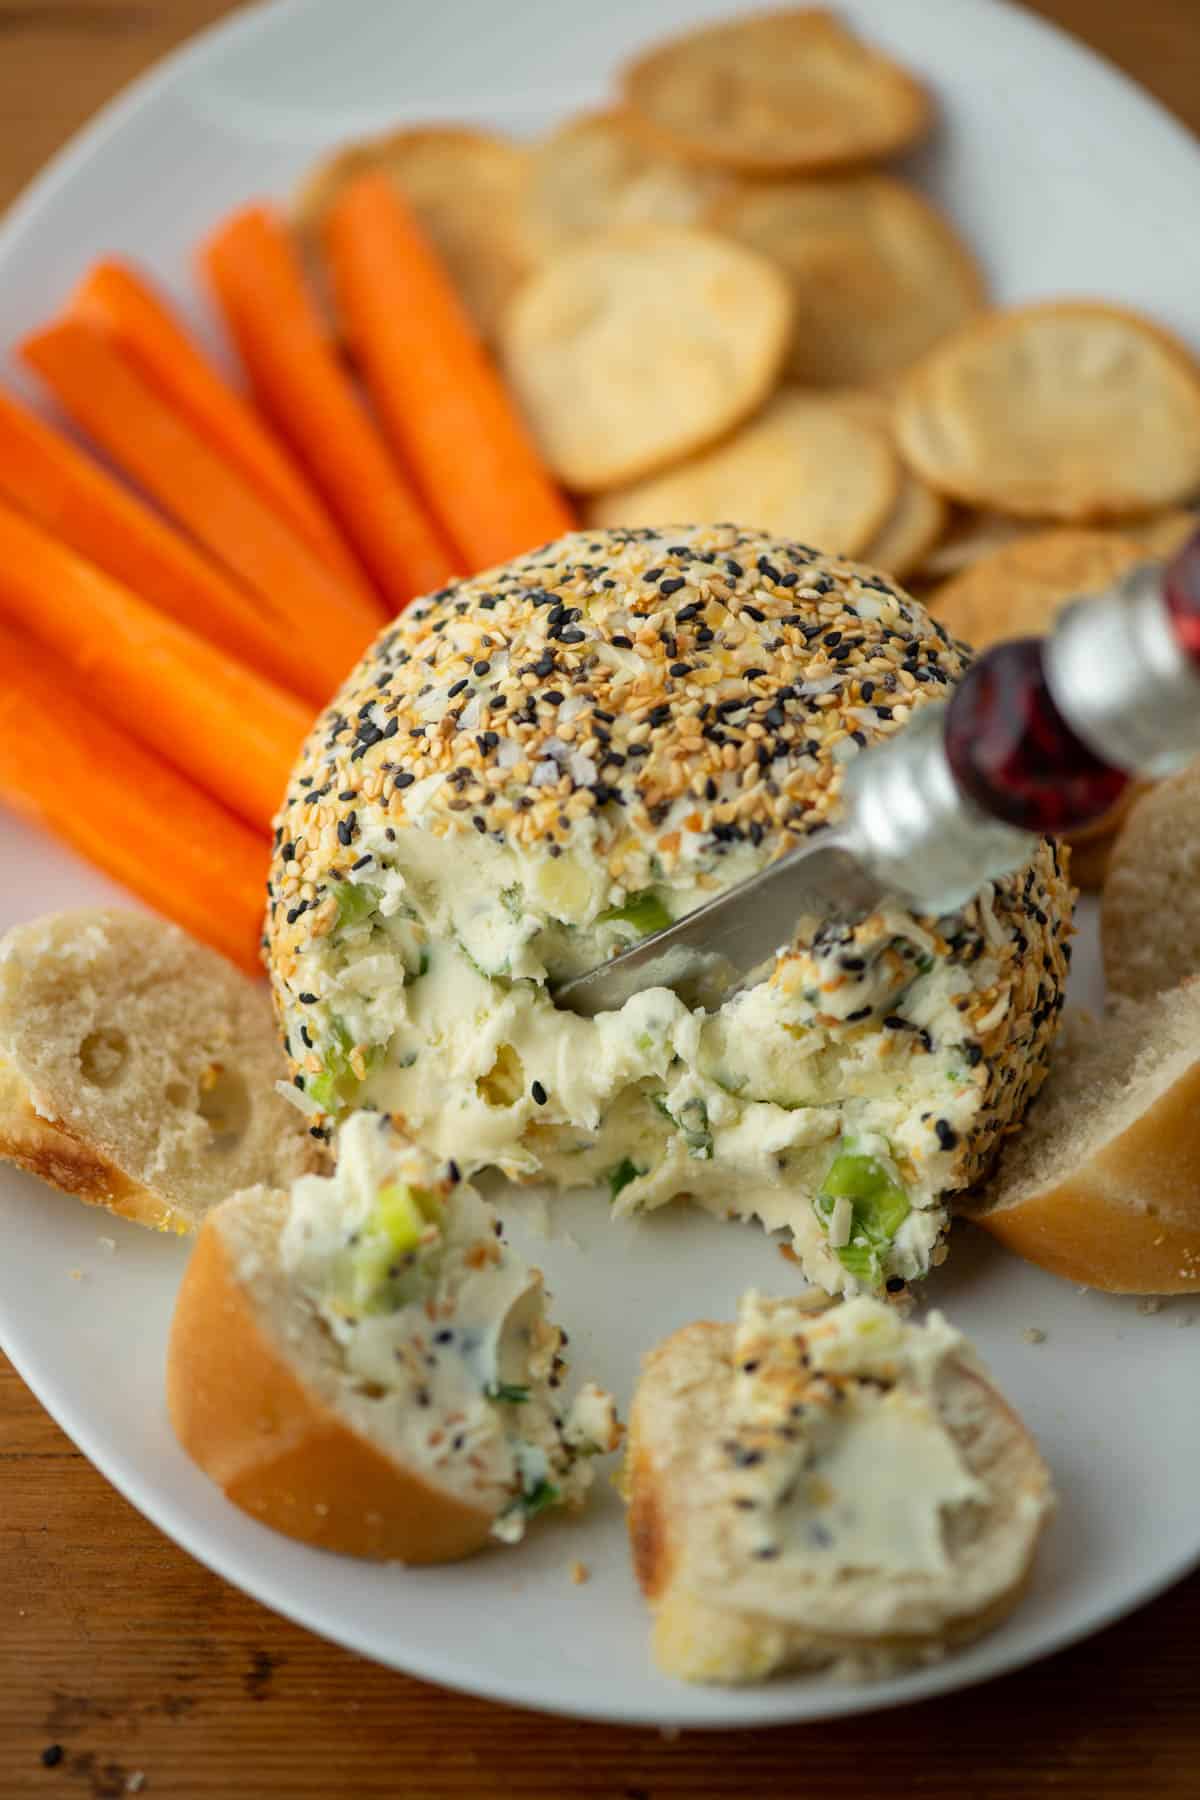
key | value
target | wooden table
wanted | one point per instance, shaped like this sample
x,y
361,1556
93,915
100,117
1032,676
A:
x,y
149,1673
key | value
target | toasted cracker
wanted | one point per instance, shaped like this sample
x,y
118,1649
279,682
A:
x,y
1065,410
803,469
919,515
466,188
1166,532
776,91
1018,590
632,351
970,536
596,174
878,275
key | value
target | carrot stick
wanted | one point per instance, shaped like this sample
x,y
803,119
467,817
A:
x,y
260,287
432,382
109,400
121,303
233,733
47,477
72,771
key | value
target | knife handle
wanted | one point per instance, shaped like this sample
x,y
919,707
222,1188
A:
x,y
1044,733
1040,737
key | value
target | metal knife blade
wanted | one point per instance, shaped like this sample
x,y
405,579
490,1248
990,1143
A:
x,y
725,941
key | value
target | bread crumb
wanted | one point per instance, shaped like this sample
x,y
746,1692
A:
x,y
580,1573
108,1244
135,1782
75,1274
1033,1334
1149,1306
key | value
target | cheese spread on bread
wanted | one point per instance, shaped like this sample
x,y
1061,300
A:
x,y
837,1457
439,1323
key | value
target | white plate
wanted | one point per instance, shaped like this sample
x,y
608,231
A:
x,y
1069,180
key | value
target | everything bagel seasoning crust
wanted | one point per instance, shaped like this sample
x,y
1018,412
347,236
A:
x,y
535,767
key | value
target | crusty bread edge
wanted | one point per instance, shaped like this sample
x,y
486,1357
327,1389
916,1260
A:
x,y
1084,1227
50,1150
738,1646
280,1453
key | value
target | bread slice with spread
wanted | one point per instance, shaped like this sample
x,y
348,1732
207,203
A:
x,y
138,1069
833,1489
364,1363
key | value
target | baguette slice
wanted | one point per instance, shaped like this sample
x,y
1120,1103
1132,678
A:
x,y
1102,1183
138,1069
369,1394
752,1448
1150,914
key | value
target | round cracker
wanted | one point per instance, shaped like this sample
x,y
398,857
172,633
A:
x,y
466,189
970,537
919,515
803,469
1018,590
776,91
632,351
912,528
1064,410
596,174
1166,532
878,275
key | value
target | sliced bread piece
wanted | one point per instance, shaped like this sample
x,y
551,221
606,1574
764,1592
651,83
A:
x,y
138,1069
365,1365
1102,1183
1150,916
836,1489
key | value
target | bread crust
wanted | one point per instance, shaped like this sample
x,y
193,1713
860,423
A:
x,y
52,1152
1128,1220
276,1450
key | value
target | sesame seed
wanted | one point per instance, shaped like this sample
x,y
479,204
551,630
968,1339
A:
x,y
539,1093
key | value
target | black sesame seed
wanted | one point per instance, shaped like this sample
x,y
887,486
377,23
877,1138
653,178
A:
x,y
752,612
947,1137
346,829
456,689
673,585
52,1755
444,1336
622,642
479,823
405,778
894,1284
680,669
307,999
539,1093
454,1172
573,636
862,1012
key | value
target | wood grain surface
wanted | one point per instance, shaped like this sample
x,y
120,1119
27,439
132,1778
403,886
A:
x,y
146,1673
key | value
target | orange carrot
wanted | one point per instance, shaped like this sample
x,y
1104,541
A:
x,y
56,484
233,733
109,400
260,287
72,771
432,382
123,304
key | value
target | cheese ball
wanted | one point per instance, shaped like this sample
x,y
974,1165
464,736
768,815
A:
x,y
535,767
